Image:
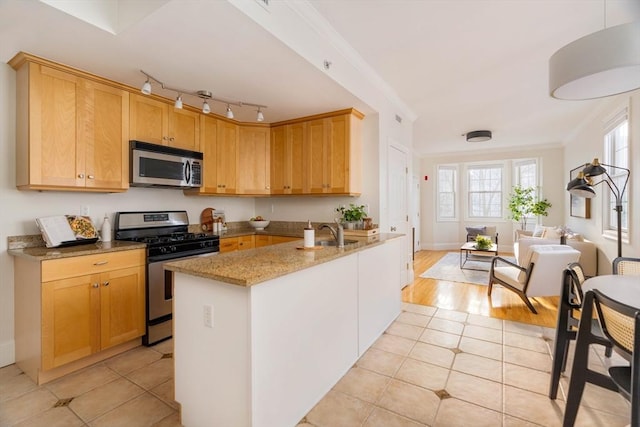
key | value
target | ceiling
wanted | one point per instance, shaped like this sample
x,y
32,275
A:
x,y
459,65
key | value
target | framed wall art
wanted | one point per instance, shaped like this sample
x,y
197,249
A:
x,y
580,207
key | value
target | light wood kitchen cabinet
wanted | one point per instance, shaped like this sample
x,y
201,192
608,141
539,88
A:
x,y
230,244
334,158
253,160
287,158
226,157
158,122
78,310
268,240
72,129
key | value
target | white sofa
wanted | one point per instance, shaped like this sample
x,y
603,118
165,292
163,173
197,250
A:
x,y
588,250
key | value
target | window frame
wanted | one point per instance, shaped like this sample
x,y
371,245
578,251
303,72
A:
x,y
609,220
456,189
501,165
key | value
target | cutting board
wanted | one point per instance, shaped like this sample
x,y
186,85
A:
x,y
206,219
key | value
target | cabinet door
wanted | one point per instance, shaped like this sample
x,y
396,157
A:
x,y
122,309
316,156
246,242
253,161
262,240
106,136
149,121
70,319
279,166
283,239
184,129
337,155
296,138
227,157
228,244
55,155
209,148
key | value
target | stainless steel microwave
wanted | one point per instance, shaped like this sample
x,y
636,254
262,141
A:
x,y
154,165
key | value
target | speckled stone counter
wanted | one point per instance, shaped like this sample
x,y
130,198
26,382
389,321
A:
x,y
253,266
43,253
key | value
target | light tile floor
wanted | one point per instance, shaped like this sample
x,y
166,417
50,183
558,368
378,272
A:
x,y
432,367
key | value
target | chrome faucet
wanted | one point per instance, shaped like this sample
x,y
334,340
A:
x,y
338,232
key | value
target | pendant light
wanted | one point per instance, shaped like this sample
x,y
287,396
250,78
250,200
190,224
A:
x,y
600,64
229,112
178,103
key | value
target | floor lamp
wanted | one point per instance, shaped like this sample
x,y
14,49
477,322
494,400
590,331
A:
x,y
582,186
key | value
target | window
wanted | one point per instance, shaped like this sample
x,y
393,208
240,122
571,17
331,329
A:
x,y
616,153
447,177
525,173
485,191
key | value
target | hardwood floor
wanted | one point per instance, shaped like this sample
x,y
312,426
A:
x,y
502,304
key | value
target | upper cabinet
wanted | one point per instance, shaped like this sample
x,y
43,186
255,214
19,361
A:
x,y
253,160
330,150
287,158
72,131
159,123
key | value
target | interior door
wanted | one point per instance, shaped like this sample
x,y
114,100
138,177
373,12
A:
x,y
398,211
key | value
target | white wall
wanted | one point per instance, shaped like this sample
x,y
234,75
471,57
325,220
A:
x,y
583,147
449,235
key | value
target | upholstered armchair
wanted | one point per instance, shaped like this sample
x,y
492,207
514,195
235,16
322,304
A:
x,y
539,275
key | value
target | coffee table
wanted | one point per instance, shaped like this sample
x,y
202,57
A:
x,y
469,252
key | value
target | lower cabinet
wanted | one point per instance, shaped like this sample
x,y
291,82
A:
x,y
230,244
89,306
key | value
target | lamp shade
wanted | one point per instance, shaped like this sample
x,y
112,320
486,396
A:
x,y
594,169
479,136
583,190
600,64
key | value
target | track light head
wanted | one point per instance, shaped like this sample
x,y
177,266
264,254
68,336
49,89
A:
x,y
229,112
260,116
178,103
146,87
205,107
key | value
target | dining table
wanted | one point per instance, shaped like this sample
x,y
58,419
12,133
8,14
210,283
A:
x,y
624,289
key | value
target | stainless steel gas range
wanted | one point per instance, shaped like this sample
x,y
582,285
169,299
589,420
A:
x,y
167,237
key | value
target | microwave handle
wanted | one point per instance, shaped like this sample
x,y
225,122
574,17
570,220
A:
x,y
187,172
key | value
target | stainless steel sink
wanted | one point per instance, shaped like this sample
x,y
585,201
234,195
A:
x,y
333,242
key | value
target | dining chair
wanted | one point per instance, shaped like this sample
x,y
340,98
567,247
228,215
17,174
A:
x,y
570,304
621,325
626,266
539,274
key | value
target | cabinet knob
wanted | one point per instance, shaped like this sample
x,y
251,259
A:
x,y
101,263
171,139
164,138
91,177
105,283
95,285
80,175
393,229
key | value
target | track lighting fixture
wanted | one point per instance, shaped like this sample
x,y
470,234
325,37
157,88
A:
x,y
204,94
146,87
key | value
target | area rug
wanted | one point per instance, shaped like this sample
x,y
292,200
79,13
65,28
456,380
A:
x,y
448,268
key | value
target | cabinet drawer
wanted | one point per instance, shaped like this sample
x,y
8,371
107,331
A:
x,y
90,264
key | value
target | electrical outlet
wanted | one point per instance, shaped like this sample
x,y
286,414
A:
x,y
84,210
207,316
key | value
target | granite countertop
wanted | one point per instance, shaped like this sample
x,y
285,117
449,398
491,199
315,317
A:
x,y
43,253
254,266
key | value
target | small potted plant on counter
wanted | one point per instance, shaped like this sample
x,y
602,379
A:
x,y
352,215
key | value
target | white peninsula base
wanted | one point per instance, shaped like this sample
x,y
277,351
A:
x,y
276,348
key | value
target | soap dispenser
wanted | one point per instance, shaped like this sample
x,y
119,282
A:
x,y
105,233
309,236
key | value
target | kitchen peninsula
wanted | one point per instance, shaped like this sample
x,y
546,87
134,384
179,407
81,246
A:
x,y
261,335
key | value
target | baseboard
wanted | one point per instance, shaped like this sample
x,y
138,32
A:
x,y
7,353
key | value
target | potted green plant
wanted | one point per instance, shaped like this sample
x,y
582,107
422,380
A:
x,y
352,215
522,204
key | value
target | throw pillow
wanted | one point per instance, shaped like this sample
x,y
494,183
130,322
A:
x,y
474,231
576,237
537,232
550,233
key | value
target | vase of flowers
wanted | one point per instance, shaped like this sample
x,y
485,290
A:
x,y
352,216
483,242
